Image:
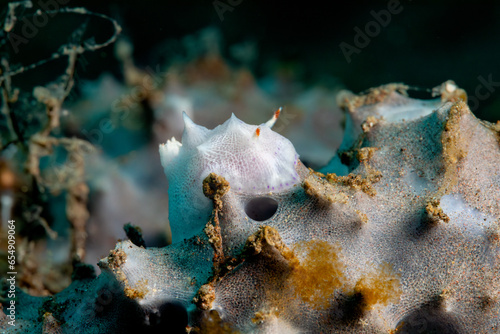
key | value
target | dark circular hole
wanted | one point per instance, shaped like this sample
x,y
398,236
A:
x,y
428,320
171,317
261,208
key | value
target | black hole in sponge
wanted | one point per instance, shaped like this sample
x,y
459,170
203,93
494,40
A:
x,y
429,320
261,208
171,317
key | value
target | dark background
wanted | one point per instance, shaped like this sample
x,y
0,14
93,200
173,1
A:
x,y
427,43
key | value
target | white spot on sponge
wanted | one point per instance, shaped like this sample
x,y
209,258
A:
x,y
463,215
408,111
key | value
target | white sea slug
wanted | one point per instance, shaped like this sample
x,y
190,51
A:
x,y
253,159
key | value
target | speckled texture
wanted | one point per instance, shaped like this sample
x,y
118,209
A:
x,y
400,258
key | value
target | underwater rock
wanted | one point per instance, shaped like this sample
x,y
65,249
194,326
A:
x,y
404,238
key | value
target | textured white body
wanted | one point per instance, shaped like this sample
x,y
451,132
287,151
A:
x,y
254,159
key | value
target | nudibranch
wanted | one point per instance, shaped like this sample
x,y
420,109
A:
x,y
252,158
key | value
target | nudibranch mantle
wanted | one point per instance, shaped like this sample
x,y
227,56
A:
x,y
252,158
